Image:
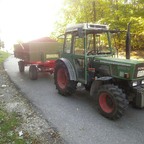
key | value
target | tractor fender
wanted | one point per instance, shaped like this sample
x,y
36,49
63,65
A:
x,y
97,83
70,68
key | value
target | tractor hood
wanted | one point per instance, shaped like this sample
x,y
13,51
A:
x,y
126,62
120,68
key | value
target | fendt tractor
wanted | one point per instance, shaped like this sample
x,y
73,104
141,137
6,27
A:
x,y
88,58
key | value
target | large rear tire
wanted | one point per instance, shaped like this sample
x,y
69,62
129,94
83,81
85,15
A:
x,y
111,101
64,85
33,72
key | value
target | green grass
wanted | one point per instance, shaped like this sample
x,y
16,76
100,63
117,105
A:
x,y
8,133
3,56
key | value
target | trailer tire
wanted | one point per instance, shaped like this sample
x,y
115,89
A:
x,y
111,101
21,66
33,72
64,85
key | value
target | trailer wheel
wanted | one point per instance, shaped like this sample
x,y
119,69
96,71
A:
x,y
111,101
21,66
65,86
33,73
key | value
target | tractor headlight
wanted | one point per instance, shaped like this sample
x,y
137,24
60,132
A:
x,y
135,83
142,82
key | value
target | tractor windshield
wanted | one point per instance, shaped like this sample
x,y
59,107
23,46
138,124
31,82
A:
x,y
97,43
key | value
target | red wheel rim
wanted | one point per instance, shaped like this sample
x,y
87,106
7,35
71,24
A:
x,y
62,78
106,103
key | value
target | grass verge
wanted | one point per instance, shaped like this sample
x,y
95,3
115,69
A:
x,y
3,56
9,122
8,129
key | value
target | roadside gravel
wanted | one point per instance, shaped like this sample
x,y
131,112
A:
x,y
32,122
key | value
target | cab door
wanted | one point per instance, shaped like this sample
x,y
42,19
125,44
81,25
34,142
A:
x,y
73,50
78,57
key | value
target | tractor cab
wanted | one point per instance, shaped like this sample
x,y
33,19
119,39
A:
x,y
82,43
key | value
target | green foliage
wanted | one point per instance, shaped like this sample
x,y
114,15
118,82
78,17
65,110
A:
x,y
8,134
2,44
116,13
3,56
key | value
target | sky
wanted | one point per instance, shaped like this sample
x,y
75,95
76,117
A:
x,y
27,19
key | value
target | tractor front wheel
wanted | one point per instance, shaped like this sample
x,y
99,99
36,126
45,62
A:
x,y
65,86
33,72
111,101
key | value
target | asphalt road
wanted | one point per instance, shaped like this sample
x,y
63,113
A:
x,y
75,117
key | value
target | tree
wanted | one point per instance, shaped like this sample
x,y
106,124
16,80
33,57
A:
x,y
116,13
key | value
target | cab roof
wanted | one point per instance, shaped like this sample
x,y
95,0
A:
x,y
86,26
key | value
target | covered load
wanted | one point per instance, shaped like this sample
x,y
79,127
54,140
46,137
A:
x,y
38,50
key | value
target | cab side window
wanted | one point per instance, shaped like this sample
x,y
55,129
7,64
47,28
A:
x,y
68,43
78,45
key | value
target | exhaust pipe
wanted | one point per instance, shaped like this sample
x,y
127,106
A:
x,y
128,42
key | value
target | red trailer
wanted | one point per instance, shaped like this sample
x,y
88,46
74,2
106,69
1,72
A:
x,y
39,54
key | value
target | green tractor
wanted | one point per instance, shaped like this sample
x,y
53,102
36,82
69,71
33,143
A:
x,y
88,58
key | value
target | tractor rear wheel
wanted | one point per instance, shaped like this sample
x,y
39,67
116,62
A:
x,y
21,66
111,101
65,86
33,72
